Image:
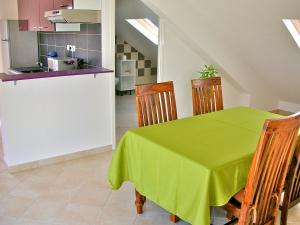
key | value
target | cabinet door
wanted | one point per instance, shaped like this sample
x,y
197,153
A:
x,y
24,11
34,15
45,24
62,4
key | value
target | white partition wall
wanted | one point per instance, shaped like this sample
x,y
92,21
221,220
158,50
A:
x,y
45,118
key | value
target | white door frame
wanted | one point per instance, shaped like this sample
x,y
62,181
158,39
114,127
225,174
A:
x,y
108,54
108,51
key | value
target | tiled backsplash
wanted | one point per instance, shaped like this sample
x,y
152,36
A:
x,y
87,42
143,64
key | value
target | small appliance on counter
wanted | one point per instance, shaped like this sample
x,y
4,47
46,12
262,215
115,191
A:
x,y
59,64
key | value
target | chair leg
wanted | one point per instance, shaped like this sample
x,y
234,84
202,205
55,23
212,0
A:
x,y
139,202
284,214
174,218
234,221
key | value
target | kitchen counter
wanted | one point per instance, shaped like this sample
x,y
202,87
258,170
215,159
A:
x,y
39,75
46,118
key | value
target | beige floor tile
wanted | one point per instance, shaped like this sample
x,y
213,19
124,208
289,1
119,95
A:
x,y
158,220
123,198
5,220
23,175
294,214
44,210
78,214
91,195
48,173
56,194
69,181
153,214
13,206
120,208
7,183
117,217
23,221
26,190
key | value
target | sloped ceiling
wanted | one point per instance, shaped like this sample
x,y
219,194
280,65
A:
x,y
254,30
135,9
250,33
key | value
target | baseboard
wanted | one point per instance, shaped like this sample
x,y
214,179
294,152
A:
x,y
289,106
281,112
58,159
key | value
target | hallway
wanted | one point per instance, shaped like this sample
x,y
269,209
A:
x,y
126,117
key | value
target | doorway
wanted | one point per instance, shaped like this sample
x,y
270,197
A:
x,y
136,56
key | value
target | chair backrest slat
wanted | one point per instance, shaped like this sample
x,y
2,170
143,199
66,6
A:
x,y
159,108
295,173
163,104
155,103
207,95
268,171
150,112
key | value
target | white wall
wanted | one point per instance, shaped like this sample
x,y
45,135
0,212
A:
x,y
87,4
51,117
289,106
179,63
208,43
135,9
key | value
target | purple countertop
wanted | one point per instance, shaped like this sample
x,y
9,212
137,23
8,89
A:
x,y
29,76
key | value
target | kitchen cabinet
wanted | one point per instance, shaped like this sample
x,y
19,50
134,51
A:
x,y
45,24
33,19
31,15
24,14
63,4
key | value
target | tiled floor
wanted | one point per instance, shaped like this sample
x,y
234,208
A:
x,y
125,114
77,192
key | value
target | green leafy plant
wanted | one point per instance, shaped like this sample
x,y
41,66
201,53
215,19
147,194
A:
x,y
208,71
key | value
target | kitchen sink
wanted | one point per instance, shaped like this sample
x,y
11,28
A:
x,y
29,70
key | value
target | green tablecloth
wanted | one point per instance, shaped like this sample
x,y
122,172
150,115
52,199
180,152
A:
x,y
187,165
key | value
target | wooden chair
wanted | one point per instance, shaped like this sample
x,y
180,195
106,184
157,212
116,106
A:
x,y
259,202
292,190
155,103
207,95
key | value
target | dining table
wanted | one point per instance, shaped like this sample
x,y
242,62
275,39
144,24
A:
x,y
188,165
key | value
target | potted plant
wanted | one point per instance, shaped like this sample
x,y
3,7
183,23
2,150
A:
x,y
208,71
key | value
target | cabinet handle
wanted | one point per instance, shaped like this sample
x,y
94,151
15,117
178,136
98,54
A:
x,y
34,27
64,6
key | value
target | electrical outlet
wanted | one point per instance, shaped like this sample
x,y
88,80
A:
x,y
71,48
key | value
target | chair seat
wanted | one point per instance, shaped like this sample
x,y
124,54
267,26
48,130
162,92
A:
x,y
234,205
240,196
